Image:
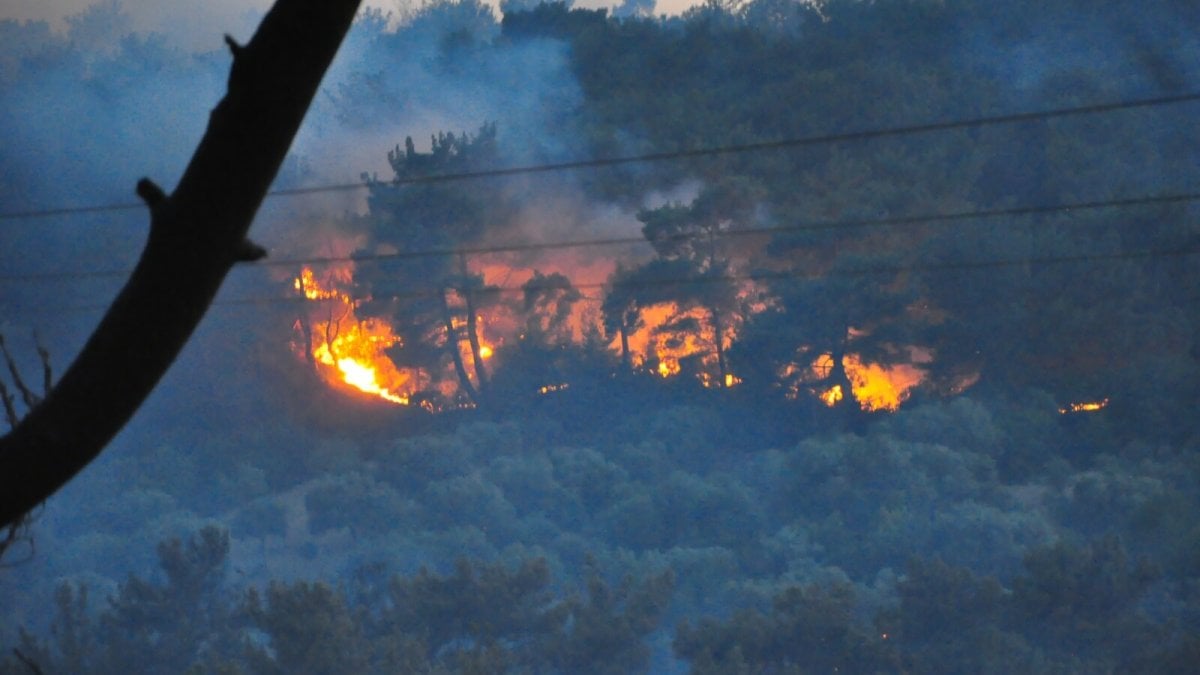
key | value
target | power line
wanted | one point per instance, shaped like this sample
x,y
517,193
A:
x,y
900,221
777,275
975,122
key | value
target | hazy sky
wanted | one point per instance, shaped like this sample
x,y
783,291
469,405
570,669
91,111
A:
x,y
192,24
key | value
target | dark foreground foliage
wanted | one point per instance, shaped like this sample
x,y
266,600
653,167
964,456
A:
x,y
1073,609
481,618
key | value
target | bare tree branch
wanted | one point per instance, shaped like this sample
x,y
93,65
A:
x,y
10,408
20,530
27,395
196,235
27,662
47,371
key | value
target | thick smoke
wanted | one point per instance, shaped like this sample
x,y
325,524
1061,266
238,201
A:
x,y
89,110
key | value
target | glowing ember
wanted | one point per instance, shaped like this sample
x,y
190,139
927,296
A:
x,y
711,382
833,396
1090,406
551,388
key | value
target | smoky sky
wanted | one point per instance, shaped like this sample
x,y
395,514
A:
x,y
192,25
89,108
88,111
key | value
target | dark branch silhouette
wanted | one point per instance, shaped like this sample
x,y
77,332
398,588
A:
x,y
19,530
197,233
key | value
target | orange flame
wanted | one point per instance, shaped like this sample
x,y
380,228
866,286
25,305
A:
x,y
308,285
875,386
345,350
669,336
878,387
670,339
1089,406
833,396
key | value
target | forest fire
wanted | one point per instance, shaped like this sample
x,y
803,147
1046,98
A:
x,y
348,351
875,387
878,387
344,350
832,396
1088,406
308,286
667,339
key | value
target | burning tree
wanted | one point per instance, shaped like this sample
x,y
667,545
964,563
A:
x,y
836,334
842,336
421,320
684,304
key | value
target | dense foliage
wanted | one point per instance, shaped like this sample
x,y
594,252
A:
x,y
647,478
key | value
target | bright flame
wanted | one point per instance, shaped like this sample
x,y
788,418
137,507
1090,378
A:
x,y
669,339
875,387
307,284
366,379
881,388
1089,406
344,349
669,335
350,352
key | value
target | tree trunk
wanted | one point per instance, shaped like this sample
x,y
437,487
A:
x,y
452,342
838,376
719,329
196,235
626,359
306,332
473,338
472,325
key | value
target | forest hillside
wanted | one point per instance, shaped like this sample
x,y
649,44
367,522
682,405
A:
x,y
775,336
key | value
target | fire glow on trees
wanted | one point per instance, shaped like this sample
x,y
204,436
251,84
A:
x,y
875,386
352,353
669,335
1087,406
344,350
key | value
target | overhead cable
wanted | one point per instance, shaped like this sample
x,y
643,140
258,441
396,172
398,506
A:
x,y
515,247
843,137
